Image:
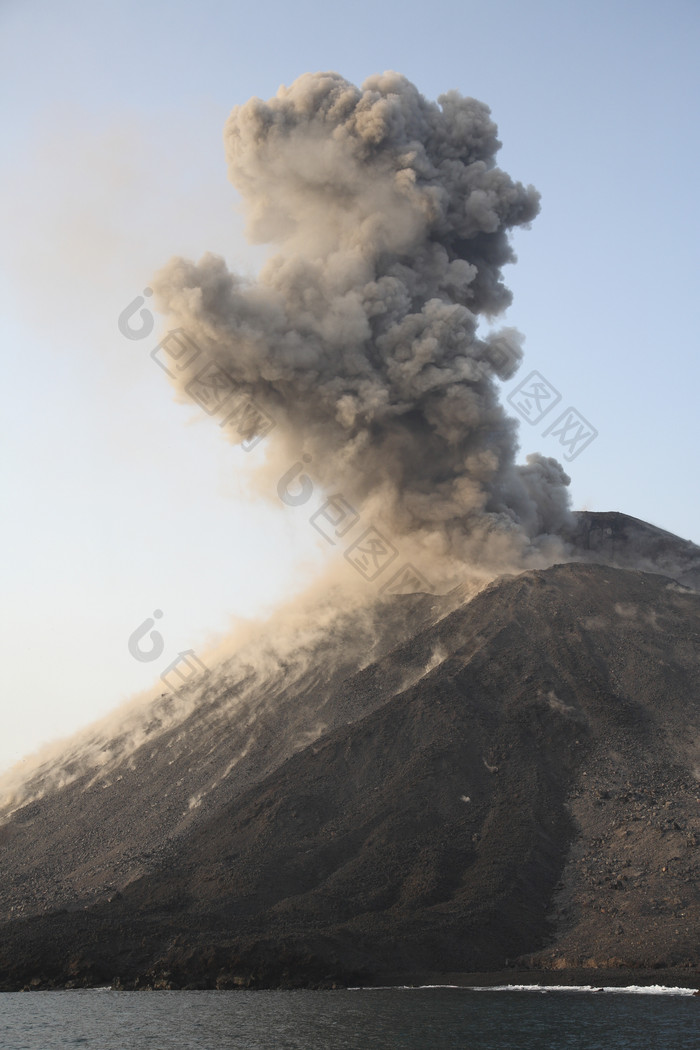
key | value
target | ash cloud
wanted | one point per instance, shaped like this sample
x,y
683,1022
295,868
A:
x,y
360,336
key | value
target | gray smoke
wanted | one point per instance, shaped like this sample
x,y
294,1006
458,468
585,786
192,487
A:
x,y
359,338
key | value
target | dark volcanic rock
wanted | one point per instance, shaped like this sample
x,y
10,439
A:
x,y
618,539
517,781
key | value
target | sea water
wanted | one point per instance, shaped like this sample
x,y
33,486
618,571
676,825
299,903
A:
x,y
414,1019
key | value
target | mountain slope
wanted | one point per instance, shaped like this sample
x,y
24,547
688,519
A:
x,y
517,780
619,539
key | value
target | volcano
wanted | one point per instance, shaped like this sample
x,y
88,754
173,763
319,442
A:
x,y
430,787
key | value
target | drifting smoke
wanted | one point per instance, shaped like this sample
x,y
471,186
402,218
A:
x,y
360,336
276,673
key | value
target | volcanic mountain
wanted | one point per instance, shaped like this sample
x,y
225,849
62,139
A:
x,y
423,787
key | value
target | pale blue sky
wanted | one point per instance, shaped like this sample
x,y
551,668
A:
x,y
117,503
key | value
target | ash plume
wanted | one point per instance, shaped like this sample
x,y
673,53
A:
x,y
360,336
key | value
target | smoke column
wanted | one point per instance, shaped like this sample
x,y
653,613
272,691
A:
x,y
359,338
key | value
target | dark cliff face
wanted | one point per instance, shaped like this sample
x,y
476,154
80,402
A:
x,y
516,778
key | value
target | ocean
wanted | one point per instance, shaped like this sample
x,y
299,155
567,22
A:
x,y
413,1019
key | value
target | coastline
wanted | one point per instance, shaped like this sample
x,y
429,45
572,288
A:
x,y
581,979
590,977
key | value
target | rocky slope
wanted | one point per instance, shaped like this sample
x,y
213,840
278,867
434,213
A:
x,y
619,539
511,780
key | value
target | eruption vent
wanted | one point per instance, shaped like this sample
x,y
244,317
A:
x,y
359,338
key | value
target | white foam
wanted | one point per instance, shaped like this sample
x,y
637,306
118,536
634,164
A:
x,y
630,989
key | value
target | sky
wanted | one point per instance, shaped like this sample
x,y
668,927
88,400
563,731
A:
x,y
118,501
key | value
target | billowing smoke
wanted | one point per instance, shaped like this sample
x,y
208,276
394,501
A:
x,y
360,336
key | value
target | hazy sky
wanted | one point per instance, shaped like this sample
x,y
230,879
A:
x,y
117,500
